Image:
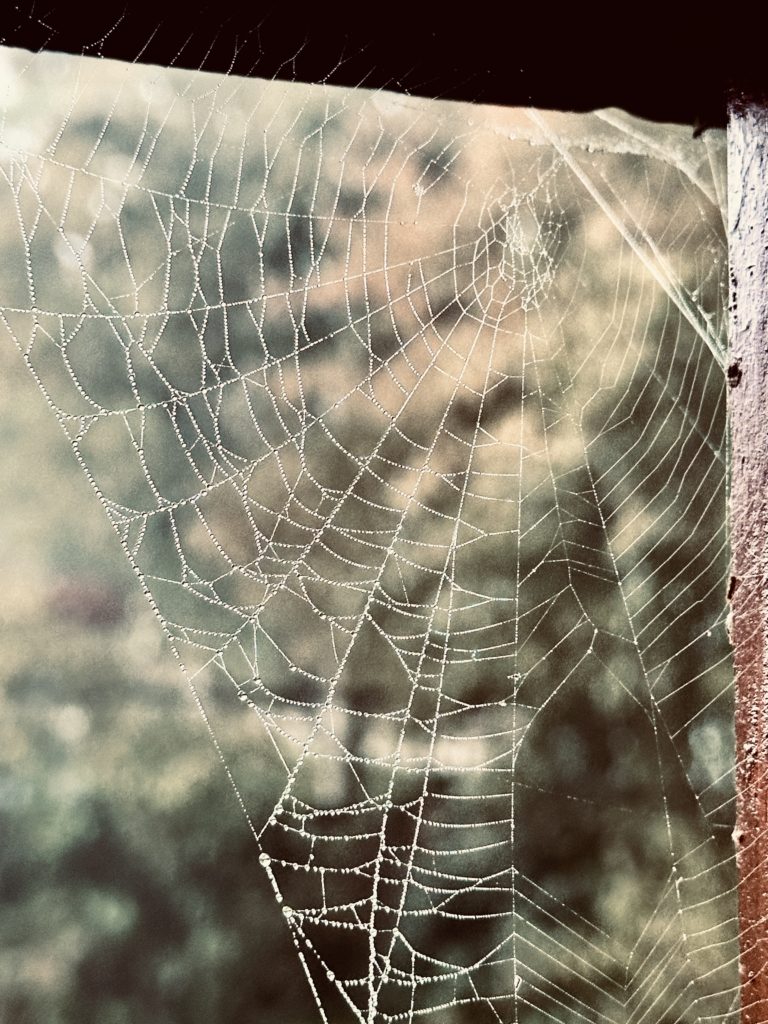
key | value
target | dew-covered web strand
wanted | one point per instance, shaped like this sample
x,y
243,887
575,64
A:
x,y
403,473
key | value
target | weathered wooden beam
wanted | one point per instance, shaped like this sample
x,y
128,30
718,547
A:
x,y
748,590
520,55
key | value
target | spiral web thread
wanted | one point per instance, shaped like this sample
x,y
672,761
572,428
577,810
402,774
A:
x,y
410,417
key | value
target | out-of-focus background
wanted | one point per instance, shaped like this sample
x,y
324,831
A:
x,y
418,250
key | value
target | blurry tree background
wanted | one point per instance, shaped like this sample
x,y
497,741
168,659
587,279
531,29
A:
x,y
130,881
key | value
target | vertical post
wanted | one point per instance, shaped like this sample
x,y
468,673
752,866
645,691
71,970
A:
x,y
748,587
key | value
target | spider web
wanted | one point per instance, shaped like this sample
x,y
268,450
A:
x,y
410,418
